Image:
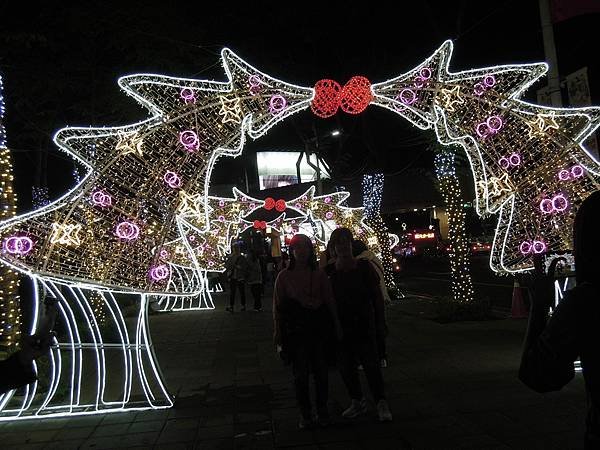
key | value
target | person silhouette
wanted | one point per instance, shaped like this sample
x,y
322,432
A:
x,y
303,313
552,346
360,305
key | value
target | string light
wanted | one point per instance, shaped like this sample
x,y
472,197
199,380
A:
x,y
462,285
372,188
10,313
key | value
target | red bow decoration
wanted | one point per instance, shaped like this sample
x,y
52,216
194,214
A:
x,y
260,224
279,205
353,98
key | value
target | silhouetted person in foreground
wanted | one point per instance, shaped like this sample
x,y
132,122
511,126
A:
x,y
17,370
574,329
360,304
254,279
303,315
236,267
360,251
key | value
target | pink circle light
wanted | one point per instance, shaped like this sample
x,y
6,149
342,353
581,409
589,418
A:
x,y
515,159
489,81
504,162
494,123
564,175
101,198
407,96
546,206
277,104
425,73
482,129
525,247
172,179
189,139
159,273
188,95
560,202
576,171
18,245
127,231
478,89
538,247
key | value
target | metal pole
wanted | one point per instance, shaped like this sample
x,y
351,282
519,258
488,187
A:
x,y
550,53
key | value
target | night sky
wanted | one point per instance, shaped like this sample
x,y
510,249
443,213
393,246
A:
x,y
60,64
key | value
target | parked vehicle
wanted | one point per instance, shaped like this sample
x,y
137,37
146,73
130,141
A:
x,y
479,247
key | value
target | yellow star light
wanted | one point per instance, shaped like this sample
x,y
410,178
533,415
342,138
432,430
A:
x,y
451,97
542,123
230,110
65,234
130,144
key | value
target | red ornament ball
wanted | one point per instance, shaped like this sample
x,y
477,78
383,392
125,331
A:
x,y
280,205
269,203
356,95
326,101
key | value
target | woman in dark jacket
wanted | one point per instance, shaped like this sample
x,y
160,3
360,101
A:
x,y
574,329
303,314
360,307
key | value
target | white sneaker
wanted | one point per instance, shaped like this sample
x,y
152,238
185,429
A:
x,y
383,363
357,408
383,411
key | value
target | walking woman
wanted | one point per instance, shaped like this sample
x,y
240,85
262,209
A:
x,y
303,313
236,267
360,304
254,279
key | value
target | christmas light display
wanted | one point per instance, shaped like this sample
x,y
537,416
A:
x,y
520,153
143,203
462,284
10,311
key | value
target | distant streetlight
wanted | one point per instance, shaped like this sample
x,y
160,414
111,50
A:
x,y
335,133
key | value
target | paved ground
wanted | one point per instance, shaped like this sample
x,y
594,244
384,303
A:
x,y
450,386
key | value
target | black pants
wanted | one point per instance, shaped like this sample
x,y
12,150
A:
x,y
233,286
310,356
364,350
381,350
256,290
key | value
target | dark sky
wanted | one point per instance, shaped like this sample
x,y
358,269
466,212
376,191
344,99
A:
x,y
60,62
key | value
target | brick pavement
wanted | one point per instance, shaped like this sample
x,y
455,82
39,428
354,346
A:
x,y
450,386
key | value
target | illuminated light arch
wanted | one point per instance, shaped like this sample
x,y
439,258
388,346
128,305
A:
x,y
194,122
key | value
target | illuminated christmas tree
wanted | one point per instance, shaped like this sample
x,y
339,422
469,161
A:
x,y
529,163
372,187
462,284
10,314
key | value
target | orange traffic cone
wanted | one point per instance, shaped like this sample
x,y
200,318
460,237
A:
x,y
518,310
